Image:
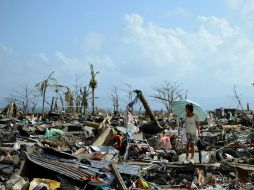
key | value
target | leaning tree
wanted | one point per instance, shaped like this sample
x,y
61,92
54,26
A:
x,y
237,98
43,86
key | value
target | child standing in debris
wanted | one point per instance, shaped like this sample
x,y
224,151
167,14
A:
x,y
192,130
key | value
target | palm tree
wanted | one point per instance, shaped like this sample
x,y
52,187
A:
x,y
69,100
58,90
43,85
85,93
93,85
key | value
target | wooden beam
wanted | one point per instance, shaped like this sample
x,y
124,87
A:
x,y
119,178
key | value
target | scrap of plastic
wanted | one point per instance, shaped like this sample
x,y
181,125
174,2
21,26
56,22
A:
x,y
104,149
106,188
48,183
16,146
53,133
144,184
154,186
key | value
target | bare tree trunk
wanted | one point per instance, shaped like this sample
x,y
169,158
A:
x,y
26,100
84,111
93,108
33,108
237,98
146,105
55,106
43,99
52,104
62,102
76,105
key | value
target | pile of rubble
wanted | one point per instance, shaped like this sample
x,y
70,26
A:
x,y
121,152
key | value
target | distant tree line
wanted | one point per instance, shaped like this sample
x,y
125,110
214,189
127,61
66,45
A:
x,y
76,100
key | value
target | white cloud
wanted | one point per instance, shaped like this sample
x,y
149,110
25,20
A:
x,y
245,9
248,12
216,51
66,60
43,57
219,26
154,42
208,60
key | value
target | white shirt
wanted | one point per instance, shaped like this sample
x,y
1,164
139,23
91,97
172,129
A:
x,y
190,125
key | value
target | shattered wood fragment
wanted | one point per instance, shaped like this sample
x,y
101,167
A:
x,y
79,151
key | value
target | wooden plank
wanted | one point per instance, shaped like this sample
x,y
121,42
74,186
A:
x,y
119,178
103,137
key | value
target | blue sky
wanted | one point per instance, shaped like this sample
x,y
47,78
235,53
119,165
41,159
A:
x,y
208,46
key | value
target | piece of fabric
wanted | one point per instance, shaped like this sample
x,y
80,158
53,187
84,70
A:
x,y
190,125
191,138
130,118
166,142
183,137
119,138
